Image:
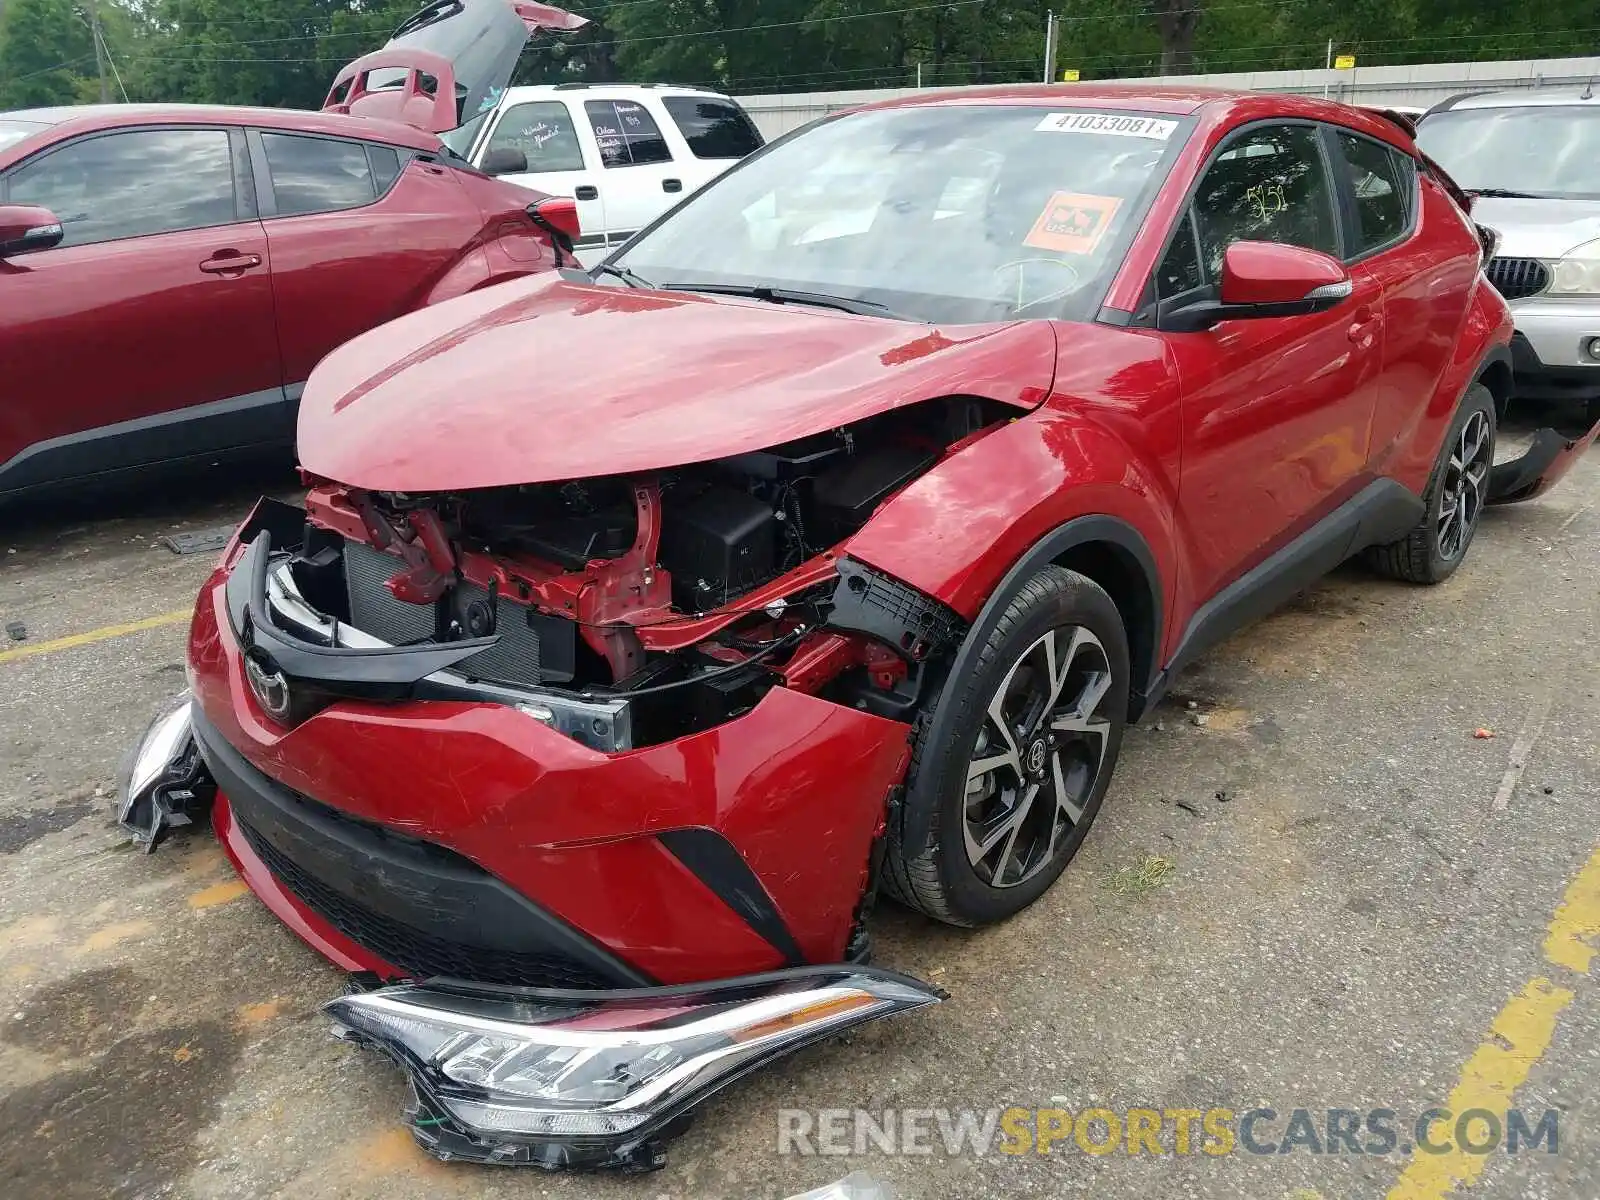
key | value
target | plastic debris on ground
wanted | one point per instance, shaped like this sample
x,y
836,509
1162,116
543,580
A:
x,y
201,541
857,1185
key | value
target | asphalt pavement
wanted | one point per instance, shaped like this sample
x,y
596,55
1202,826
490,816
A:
x,y
1352,864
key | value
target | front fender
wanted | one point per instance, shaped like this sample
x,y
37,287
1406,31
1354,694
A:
x,y
956,531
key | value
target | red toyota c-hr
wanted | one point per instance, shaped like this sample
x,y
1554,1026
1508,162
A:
x,y
640,625
170,274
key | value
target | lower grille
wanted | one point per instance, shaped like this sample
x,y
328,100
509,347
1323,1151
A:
x,y
413,951
1515,278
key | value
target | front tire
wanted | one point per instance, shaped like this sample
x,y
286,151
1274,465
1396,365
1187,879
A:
x,y
1011,790
1454,500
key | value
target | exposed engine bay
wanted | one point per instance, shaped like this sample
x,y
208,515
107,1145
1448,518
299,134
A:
x,y
688,593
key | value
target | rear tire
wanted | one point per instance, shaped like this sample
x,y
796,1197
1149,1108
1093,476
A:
x,y
1454,500
1010,792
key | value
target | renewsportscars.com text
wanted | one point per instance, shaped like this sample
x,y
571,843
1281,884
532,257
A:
x,y
1156,1131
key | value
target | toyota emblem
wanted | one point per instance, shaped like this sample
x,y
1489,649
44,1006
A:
x,y
1036,756
270,688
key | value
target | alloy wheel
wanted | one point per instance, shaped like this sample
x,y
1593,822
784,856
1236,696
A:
x,y
1462,489
1037,756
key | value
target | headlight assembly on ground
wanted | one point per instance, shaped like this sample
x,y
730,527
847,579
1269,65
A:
x,y
597,1079
163,782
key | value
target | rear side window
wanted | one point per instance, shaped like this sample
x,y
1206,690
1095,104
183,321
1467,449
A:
x,y
314,175
1384,183
627,135
132,184
713,128
385,164
543,132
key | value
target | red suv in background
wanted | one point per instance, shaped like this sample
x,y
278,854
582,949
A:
x,y
170,274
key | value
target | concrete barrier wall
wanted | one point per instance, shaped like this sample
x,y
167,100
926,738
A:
x,y
1419,85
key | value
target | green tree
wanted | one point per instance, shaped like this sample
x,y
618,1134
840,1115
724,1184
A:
x,y
44,45
286,52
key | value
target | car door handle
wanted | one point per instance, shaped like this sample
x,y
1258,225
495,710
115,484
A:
x,y
1364,325
226,262
672,185
587,192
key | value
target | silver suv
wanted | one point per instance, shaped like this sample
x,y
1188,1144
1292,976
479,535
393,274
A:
x,y
1533,159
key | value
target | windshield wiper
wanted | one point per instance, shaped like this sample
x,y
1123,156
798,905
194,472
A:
x,y
772,295
622,273
1504,194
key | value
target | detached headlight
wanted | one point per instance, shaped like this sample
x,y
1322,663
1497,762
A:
x,y
1577,272
163,782
575,1079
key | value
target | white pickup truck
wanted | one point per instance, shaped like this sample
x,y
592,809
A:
x,y
625,152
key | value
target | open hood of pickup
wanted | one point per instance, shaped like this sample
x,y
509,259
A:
x,y
446,64
546,379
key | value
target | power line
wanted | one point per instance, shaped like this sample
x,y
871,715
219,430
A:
x,y
71,62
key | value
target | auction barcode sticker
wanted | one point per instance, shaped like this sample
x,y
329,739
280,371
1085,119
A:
x,y
1116,124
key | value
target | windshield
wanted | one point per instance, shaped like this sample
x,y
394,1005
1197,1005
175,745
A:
x,y
1551,151
12,132
947,213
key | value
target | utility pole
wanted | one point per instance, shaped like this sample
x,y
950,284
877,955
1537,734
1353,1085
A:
x,y
99,50
1052,34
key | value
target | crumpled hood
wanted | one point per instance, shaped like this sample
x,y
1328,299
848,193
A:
x,y
1538,228
544,379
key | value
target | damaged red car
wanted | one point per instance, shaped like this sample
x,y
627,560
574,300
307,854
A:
x,y
642,626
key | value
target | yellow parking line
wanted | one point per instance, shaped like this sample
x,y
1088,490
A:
x,y
1518,1039
97,635
1574,934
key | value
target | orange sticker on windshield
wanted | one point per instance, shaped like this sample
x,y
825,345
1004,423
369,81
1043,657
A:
x,y
1072,223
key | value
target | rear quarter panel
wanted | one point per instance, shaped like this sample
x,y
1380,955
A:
x,y
336,275
1442,325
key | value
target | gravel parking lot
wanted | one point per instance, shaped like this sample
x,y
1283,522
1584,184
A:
x,y
1312,887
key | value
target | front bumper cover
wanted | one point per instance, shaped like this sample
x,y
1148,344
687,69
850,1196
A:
x,y
581,1079
1552,337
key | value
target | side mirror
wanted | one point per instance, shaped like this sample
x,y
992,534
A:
x,y
24,227
1266,279
507,160
558,216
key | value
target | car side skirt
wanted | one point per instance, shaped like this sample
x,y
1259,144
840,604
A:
x,y
1380,512
256,420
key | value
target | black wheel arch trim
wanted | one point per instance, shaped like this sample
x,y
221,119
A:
x,y
1495,356
1080,531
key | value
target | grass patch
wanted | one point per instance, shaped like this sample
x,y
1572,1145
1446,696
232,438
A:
x,y
1142,878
